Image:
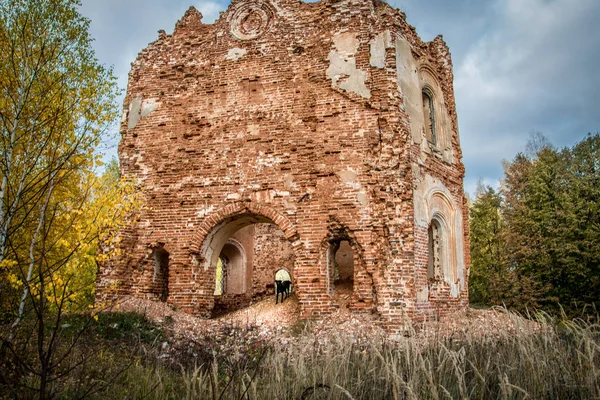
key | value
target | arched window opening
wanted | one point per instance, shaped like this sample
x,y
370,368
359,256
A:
x,y
434,269
221,276
429,115
160,276
283,275
340,260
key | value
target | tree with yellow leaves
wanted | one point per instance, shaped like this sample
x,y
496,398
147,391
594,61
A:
x,y
56,104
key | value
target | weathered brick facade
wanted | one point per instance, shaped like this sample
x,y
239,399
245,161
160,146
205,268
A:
x,y
332,120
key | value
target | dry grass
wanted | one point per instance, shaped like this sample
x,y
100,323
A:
x,y
129,356
560,360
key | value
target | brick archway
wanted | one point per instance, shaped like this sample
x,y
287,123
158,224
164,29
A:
x,y
442,208
262,213
216,231
364,289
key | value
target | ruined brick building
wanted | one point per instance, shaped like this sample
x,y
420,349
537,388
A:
x,y
318,138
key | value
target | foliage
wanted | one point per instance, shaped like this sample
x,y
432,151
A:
x,y
486,246
118,327
56,104
97,351
537,243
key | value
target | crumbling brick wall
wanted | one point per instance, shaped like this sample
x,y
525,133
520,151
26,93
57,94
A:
x,y
230,302
311,117
272,252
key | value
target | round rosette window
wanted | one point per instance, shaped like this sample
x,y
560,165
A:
x,y
251,19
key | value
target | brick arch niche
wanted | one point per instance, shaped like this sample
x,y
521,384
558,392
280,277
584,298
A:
x,y
236,269
251,245
341,258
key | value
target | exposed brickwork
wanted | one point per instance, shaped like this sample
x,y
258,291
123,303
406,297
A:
x,y
230,302
308,116
272,252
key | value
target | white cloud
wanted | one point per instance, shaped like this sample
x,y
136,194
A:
x,y
210,10
534,69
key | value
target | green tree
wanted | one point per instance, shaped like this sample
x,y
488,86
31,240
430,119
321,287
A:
x,y
550,237
574,232
526,183
487,258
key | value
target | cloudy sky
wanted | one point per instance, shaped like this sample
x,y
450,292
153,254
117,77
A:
x,y
520,66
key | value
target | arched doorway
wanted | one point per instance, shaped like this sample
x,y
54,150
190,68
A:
x,y
235,269
283,275
239,258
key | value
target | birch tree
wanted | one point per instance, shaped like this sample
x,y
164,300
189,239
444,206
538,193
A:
x,y
56,103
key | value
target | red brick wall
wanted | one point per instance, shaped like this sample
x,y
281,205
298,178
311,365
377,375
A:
x,y
272,252
223,129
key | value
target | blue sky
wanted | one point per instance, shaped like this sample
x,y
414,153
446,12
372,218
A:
x,y
520,66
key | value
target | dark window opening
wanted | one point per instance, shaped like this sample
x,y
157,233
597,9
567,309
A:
x,y
160,277
341,266
434,268
429,114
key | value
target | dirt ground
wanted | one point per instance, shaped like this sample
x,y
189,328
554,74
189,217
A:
x,y
278,324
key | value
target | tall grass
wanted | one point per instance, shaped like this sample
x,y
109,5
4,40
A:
x,y
558,360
